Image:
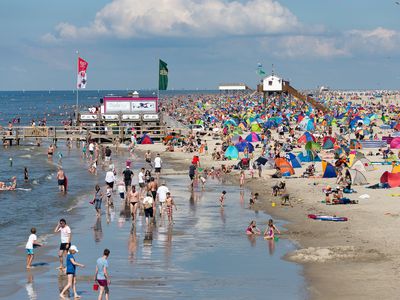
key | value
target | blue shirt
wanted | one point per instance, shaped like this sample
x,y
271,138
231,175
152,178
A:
x,y
71,268
101,263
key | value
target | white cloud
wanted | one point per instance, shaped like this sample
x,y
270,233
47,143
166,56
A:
x,y
349,43
376,40
138,18
307,46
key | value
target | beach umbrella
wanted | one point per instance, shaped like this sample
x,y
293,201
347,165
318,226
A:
x,y
243,145
255,127
253,137
230,122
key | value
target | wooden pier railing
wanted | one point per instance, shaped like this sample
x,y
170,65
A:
x,y
80,133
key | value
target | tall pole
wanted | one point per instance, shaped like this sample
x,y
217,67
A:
x,y
158,84
77,88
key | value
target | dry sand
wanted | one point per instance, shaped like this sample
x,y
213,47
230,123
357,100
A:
x,y
358,259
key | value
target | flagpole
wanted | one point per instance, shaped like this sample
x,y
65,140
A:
x,y
77,89
158,85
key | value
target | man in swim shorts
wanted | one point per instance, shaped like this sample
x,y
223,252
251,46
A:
x,y
65,231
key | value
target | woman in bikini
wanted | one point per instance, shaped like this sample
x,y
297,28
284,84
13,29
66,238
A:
x,y
133,199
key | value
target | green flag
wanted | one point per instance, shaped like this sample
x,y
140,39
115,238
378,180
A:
x,y
163,76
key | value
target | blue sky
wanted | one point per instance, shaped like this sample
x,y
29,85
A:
x,y
339,43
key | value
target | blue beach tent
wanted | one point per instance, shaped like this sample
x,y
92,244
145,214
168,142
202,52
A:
x,y
328,170
308,156
231,153
293,160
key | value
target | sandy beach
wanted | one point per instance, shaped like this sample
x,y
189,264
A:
x,y
360,255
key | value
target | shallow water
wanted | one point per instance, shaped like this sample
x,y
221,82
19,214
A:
x,y
205,255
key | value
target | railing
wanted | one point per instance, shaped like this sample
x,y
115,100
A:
x,y
305,98
156,132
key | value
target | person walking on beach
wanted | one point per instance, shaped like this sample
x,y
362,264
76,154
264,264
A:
x,y
192,173
222,198
157,166
71,272
98,198
65,231
242,179
141,182
162,196
61,179
127,178
147,158
107,156
30,244
101,275
133,200
110,178
152,187
170,204
149,206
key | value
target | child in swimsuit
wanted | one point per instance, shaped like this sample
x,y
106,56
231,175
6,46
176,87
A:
x,y
252,229
269,232
170,203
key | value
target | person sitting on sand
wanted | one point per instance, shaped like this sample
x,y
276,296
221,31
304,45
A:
x,y
339,199
269,232
252,229
310,171
277,174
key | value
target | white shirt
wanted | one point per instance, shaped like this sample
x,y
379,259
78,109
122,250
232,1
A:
x,y
65,234
162,193
110,177
31,239
91,147
157,162
141,177
121,188
148,200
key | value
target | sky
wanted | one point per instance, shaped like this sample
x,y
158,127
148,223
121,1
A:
x,y
343,44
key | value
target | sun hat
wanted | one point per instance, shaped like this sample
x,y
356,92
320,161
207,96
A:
x,y
73,247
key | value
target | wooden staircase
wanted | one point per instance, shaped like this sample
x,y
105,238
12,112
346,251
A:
x,y
295,93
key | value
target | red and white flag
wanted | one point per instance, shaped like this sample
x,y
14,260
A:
x,y
82,77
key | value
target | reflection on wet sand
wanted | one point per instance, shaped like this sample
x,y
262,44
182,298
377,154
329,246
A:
x,y
168,245
147,244
30,288
98,230
132,244
242,199
252,240
222,215
271,247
